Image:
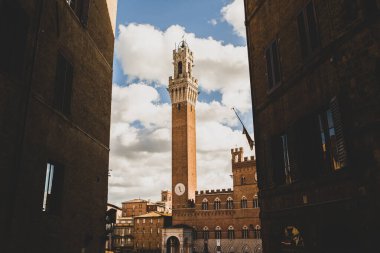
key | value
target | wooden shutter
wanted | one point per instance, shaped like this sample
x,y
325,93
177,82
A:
x,y
59,82
68,89
278,160
57,190
292,147
340,143
268,57
302,34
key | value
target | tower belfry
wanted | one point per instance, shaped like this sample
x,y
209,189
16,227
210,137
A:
x,y
183,89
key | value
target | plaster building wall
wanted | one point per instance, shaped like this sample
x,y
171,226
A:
x,y
35,130
314,69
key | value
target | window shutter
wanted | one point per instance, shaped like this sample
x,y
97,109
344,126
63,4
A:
x,y
278,161
57,190
341,147
302,34
292,154
68,89
312,25
269,67
59,82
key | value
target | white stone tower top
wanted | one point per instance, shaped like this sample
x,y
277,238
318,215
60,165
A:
x,y
183,87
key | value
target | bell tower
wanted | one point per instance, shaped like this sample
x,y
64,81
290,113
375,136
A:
x,y
183,89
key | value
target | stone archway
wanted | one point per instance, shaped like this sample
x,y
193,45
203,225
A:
x,y
172,245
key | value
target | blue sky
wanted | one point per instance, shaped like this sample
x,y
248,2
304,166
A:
x,y
141,114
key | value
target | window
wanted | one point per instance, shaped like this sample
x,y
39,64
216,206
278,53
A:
x,y
138,221
243,202
158,230
195,234
230,203
205,233
151,221
63,85
80,7
332,142
242,180
14,23
143,220
351,10
273,65
245,232
217,204
255,202
307,28
205,204
53,189
218,233
180,68
151,230
231,233
257,232
280,157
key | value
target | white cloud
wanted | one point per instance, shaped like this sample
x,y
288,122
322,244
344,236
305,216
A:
x,y
146,53
213,22
140,157
233,14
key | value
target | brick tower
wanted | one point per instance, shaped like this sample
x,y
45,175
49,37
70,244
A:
x,y
183,89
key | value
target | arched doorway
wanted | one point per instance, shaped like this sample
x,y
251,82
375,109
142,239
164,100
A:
x,y
172,245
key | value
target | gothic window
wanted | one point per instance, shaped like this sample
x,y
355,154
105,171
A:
x,y
245,232
194,233
255,202
243,202
205,233
217,204
230,203
231,233
204,204
188,67
257,232
218,233
307,28
179,67
242,180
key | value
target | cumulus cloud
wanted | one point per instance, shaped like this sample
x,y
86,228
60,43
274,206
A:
x,y
145,53
233,14
213,22
140,157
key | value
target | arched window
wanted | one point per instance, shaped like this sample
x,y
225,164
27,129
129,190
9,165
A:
x,y
179,67
218,233
243,203
231,233
217,204
230,203
257,232
255,202
205,233
195,236
204,204
245,232
242,180
188,67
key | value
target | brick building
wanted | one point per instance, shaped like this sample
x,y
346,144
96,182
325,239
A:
x,y
212,220
148,231
315,75
55,99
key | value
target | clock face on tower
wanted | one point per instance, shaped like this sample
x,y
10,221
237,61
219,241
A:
x,y
179,189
